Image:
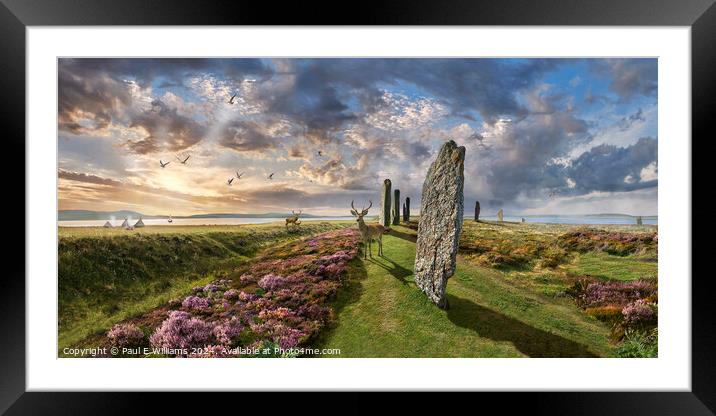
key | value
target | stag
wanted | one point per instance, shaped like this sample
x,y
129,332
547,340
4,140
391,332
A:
x,y
293,219
369,232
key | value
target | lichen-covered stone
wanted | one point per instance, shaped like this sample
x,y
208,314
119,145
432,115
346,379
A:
x,y
500,215
384,214
406,217
441,215
396,207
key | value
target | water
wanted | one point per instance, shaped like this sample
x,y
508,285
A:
x,y
576,219
191,221
550,219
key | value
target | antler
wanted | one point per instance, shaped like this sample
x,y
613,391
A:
x,y
353,206
365,210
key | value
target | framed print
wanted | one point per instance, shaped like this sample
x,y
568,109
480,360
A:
x,y
485,203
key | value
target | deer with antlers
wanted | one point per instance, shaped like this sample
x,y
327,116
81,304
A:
x,y
293,219
369,232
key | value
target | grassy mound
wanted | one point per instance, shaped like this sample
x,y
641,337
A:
x,y
109,275
384,314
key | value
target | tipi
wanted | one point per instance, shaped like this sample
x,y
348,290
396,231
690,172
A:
x,y
107,224
125,224
139,223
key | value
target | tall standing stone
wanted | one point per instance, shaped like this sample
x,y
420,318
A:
x,y
477,210
441,216
396,207
499,215
406,217
639,220
384,216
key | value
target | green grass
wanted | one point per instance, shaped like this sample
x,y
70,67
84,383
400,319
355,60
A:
x,y
383,314
605,266
107,275
507,297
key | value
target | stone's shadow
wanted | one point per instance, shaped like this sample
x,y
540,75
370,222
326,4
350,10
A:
x,y
396,270
529,340
405,236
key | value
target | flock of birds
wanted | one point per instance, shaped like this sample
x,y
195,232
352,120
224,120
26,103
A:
x,y
239,175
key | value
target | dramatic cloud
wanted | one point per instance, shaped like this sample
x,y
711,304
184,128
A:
x,y
332,129
84,177
629,77
611,168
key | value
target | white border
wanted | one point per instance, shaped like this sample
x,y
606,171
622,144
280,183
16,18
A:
x,y
671,371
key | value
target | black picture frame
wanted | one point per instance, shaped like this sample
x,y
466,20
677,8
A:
x,y
16,15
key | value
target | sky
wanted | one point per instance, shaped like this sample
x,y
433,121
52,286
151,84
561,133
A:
x,y
542,136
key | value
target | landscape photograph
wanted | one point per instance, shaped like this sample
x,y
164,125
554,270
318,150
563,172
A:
x,y
357,208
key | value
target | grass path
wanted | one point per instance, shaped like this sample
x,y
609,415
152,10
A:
x,y
382,313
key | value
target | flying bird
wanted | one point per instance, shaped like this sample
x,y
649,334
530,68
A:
x,y
231,100
163,164
229,181
183,162
239,175
270,176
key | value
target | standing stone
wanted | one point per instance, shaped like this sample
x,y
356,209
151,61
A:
x,y
639,221
499,215
477,210
523,220
396,207
441,216
406,217
384,216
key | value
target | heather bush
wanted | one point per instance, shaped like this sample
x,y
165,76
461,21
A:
x,y
611,242
271,281
638,312
590,293
231,294
211,287
125,335
227,332
181,330
247,297
195,303
294,281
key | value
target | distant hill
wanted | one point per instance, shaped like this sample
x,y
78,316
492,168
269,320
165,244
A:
x,y
620,215
85,215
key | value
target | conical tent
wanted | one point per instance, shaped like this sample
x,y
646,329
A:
x,y
125,224
139,223
107,224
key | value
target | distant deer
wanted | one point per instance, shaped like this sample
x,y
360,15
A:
x,y
369,232
293,219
